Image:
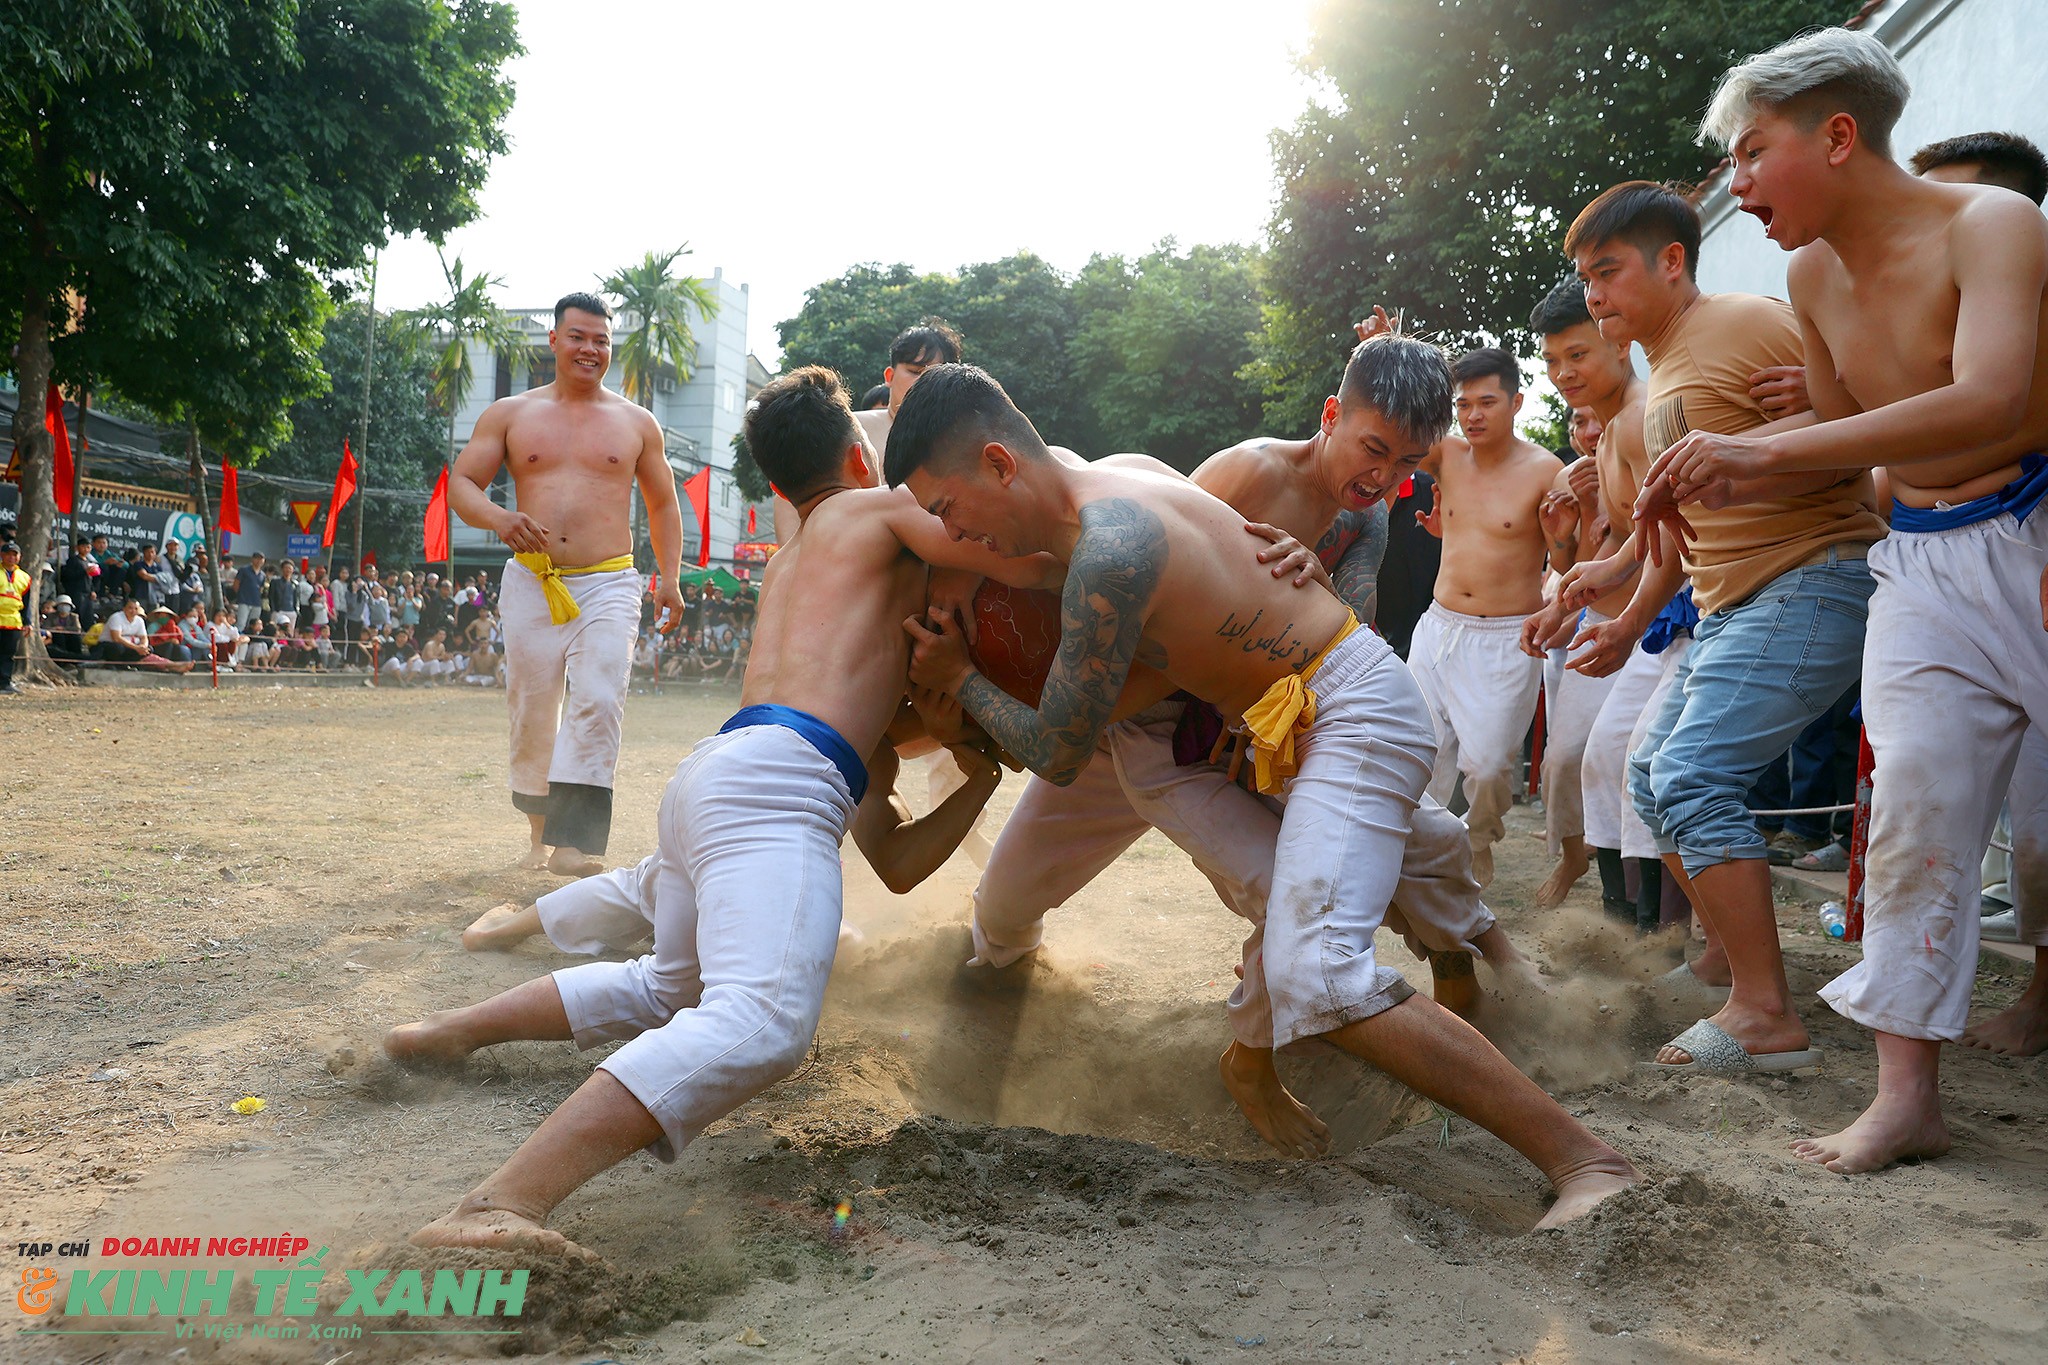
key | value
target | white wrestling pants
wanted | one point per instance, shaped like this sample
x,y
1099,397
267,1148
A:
x,y
1573,702
610,912
1365,764
1625,715
1955,669
1058,839
590,657
2027,868
1480,690
746,902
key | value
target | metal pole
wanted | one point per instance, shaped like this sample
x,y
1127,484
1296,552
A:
x,y
363,434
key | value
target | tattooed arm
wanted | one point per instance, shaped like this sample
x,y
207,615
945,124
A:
x,y
1112,578
1360,538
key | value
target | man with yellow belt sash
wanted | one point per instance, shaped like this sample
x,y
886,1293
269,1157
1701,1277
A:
x,y
1145,585
570,602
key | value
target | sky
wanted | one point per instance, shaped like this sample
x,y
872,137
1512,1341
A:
x,y
787,142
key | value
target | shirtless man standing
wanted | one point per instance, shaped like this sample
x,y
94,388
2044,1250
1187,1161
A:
x,y
1924,311
571,595
746,893
1479,686
1335,720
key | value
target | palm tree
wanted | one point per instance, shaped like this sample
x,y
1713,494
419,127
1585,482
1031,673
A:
x,y
466,315
658,305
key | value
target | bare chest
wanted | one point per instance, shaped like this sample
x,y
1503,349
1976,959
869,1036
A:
x,y
550,443
1891,334
1495,507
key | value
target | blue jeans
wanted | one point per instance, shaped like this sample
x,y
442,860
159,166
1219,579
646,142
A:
x,y
1755,677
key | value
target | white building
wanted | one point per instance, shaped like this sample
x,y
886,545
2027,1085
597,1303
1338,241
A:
x,y
1973,64
699,419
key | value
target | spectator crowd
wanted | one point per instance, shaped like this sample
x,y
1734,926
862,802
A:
x,y
147,608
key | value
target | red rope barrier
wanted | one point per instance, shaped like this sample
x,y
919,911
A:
x,y
1859,838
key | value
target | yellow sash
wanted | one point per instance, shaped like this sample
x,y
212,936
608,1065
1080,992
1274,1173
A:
x,y
1288,709
562,608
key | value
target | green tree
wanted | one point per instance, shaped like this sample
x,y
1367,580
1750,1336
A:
x,y
846,324
466,316
746,475
409,436
187,177
1455,144
1158,347
655,307
1016,317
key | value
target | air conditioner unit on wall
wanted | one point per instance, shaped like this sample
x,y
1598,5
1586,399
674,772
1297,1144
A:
x,y
665,384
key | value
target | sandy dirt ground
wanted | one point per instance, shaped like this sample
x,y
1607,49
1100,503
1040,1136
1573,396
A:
x,y
206,896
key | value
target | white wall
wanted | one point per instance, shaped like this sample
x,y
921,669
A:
x,y
1975,66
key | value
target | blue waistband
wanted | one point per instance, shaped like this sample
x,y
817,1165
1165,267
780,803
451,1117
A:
x,y
2019,497
1678,618
823,738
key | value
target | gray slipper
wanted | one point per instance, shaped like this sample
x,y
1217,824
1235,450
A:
x,y
1681,976
1716,1053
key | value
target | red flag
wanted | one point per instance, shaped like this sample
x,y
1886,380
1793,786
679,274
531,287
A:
x,y
60,472
230,519
697,488
437,521
344,489
752,523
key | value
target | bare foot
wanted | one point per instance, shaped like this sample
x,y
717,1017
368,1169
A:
x,y
2021,1031
1891,1129
501,926
1561,880
535,859
1757,1031
1283,1121
1482,865
1710,968
574,862
1579,1192
432,1041
496,1230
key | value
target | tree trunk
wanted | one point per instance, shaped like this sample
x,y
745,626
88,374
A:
x,y
363,435
198,471
32,439
449,510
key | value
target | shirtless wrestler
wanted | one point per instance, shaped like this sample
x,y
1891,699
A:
x,y
1336,721
571,595
746,892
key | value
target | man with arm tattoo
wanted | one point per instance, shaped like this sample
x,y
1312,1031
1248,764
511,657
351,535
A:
x,y
1157,771
1336,722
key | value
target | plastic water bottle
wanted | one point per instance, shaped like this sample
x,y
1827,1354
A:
x,y
1834,920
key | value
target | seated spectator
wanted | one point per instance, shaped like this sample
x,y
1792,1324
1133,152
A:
x,y
225,638
647,659
164,640
262,640
434,663
193,634
482,640
125,639
402,663
63,632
